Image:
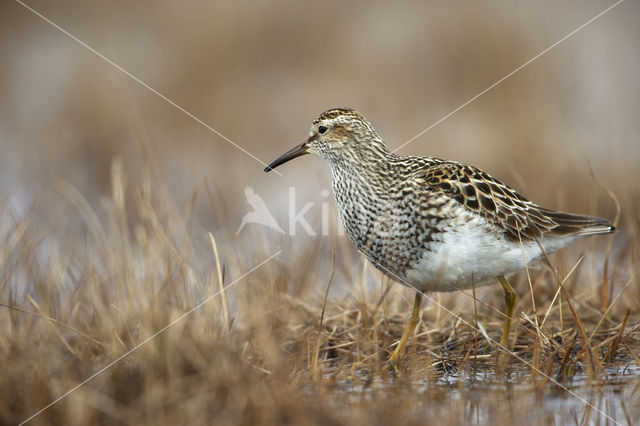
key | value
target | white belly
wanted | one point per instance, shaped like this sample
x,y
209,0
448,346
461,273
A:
x,y
473,255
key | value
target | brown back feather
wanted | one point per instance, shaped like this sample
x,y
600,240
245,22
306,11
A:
x,y
502,206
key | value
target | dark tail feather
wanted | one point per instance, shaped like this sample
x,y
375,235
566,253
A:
x,y
573,224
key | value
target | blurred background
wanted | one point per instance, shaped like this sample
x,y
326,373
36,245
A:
x,y
108,193
260,72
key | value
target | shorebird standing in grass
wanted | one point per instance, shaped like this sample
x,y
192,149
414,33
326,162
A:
x,y
431,224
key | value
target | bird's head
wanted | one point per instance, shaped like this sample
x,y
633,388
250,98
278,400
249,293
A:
x,y
338,135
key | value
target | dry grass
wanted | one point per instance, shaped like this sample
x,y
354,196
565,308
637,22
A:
x,y
269,351
87,277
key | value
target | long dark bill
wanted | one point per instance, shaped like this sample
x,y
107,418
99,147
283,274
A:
x,y
297,151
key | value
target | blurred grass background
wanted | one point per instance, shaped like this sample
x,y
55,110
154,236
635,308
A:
x,y
108,192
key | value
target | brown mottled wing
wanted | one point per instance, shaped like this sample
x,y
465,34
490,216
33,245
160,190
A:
x,y
504,207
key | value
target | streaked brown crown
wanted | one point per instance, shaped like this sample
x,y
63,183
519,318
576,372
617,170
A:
x,y
335,112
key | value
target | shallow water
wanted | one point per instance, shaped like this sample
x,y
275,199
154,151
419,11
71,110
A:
x,y
480,396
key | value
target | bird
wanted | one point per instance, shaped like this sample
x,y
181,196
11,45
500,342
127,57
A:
x,y
260,213
430,224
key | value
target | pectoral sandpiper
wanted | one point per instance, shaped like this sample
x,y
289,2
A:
x,y
431,224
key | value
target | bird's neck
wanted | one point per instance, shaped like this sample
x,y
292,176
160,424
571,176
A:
x,y
362,158
363,173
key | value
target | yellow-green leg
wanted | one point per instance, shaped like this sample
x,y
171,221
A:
x,y
414,318
510,303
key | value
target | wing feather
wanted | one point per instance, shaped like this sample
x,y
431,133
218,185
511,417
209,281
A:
x,y
519,218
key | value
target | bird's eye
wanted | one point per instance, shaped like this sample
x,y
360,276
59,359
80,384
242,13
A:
x,y
322,130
